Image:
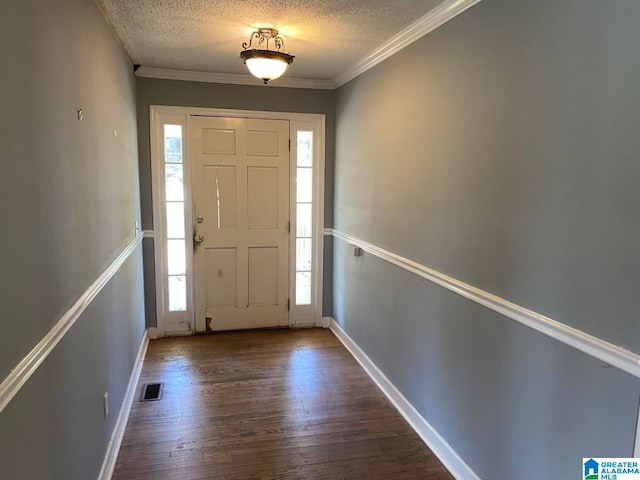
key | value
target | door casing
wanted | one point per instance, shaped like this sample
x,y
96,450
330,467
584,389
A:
x,y
160,115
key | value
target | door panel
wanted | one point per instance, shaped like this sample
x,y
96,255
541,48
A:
x,y
264,264
221,276
241,205
218,142
220,198
263,195
261,143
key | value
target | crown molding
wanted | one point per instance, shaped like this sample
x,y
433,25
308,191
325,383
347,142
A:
x,y
418,29
231,78
437,17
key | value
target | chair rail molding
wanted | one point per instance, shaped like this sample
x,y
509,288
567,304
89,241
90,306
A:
x,y
607,352
29,364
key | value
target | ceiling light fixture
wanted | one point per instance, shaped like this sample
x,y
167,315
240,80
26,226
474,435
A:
x,y
262,62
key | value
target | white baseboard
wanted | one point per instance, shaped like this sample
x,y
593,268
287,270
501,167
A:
x,y
438,445
326,322
111,456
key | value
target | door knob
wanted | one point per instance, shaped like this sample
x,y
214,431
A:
x,y
197,238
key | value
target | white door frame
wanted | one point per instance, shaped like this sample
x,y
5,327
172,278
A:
x,y
160,115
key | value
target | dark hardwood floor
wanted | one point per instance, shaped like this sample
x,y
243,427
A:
x,y
271,404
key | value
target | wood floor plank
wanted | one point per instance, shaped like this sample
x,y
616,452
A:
x,y
272,404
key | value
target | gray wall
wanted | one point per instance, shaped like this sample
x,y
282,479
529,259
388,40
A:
x,y
241,97
69,191
501,149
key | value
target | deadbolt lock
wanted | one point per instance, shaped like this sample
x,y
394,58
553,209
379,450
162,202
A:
x,y
199,219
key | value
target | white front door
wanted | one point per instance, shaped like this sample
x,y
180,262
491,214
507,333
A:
x,y
240,185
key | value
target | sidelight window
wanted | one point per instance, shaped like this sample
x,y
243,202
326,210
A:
x,y
304,217
174,208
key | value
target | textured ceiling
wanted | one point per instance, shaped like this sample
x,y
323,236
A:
x,y
326,36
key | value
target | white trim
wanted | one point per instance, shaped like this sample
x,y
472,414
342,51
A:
x,y
418,29
318,223
308,314
148,233
614,355
111,456
429,435
231,78
326,322
152,333
29,364
167,321
234,113
157,194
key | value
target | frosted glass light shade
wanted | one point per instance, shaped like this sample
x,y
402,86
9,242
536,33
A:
x,y
266,64
266,68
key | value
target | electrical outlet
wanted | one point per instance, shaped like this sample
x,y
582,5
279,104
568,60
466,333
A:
x,y
106,404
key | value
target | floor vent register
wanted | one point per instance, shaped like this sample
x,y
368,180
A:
x,y
151,391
